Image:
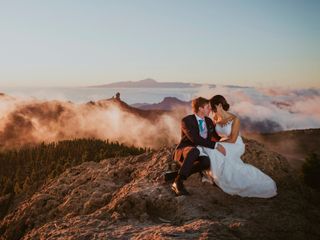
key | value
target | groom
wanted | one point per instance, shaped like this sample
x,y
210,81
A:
x,y
196,129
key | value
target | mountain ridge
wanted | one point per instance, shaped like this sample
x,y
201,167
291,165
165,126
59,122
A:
x,y
150,83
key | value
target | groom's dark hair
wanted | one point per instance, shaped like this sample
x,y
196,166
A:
x,y
198,102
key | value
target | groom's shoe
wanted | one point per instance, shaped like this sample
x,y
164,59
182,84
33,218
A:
x,y
169,176
178,187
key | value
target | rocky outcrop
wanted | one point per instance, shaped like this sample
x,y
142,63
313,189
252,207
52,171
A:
x,y
127,198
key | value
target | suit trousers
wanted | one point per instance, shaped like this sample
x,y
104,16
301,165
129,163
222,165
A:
x,y
191,162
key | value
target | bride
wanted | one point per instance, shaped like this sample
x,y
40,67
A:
x,y
229,172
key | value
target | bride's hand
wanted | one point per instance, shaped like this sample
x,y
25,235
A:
x,y
221,149
223,139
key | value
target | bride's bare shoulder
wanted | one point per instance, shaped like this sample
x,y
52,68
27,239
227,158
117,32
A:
x,y
234,118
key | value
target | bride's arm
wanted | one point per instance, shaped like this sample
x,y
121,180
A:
x,y
234,131
224,139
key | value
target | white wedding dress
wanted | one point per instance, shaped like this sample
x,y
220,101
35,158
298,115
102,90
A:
x,y
231,174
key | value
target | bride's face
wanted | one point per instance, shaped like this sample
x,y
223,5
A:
x,y
218,109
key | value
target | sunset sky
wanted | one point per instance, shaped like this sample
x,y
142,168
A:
x,y
77,43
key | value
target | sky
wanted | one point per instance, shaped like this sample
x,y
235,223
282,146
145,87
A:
x,y
257,43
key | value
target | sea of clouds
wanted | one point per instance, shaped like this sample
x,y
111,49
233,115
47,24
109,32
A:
x,y
27,119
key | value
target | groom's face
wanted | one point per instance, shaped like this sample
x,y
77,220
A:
x,y
205,109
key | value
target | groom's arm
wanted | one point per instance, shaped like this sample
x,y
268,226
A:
x,y
214,135
193,135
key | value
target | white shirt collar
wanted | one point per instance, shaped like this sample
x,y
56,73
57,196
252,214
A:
x,y
199,118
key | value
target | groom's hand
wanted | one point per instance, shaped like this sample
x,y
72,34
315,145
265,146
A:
x,y
221,149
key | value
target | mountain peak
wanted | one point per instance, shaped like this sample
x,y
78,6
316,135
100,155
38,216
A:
x,y
168,103
148,80
150,83
170,98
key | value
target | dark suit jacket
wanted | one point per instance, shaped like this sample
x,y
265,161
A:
x,y
190,135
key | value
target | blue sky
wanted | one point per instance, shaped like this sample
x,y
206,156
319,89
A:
x,y
79,43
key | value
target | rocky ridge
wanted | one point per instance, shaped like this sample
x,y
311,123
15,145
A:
x,y
127,198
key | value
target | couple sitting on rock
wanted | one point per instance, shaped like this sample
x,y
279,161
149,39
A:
x,y
213,148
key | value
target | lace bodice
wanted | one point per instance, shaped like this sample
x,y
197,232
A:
x,y
225,130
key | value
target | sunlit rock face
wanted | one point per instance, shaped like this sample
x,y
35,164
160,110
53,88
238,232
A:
x,y
127,198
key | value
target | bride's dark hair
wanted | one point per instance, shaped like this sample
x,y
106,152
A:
x,y
219,99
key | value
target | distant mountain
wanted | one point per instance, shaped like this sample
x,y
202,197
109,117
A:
x,y
167,104
151,114
5,96
150,83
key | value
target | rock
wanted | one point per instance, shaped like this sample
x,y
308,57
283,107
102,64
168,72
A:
x,y
127,198
4,203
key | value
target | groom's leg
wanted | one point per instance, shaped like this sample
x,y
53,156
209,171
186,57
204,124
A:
x,y
190,155
202,163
